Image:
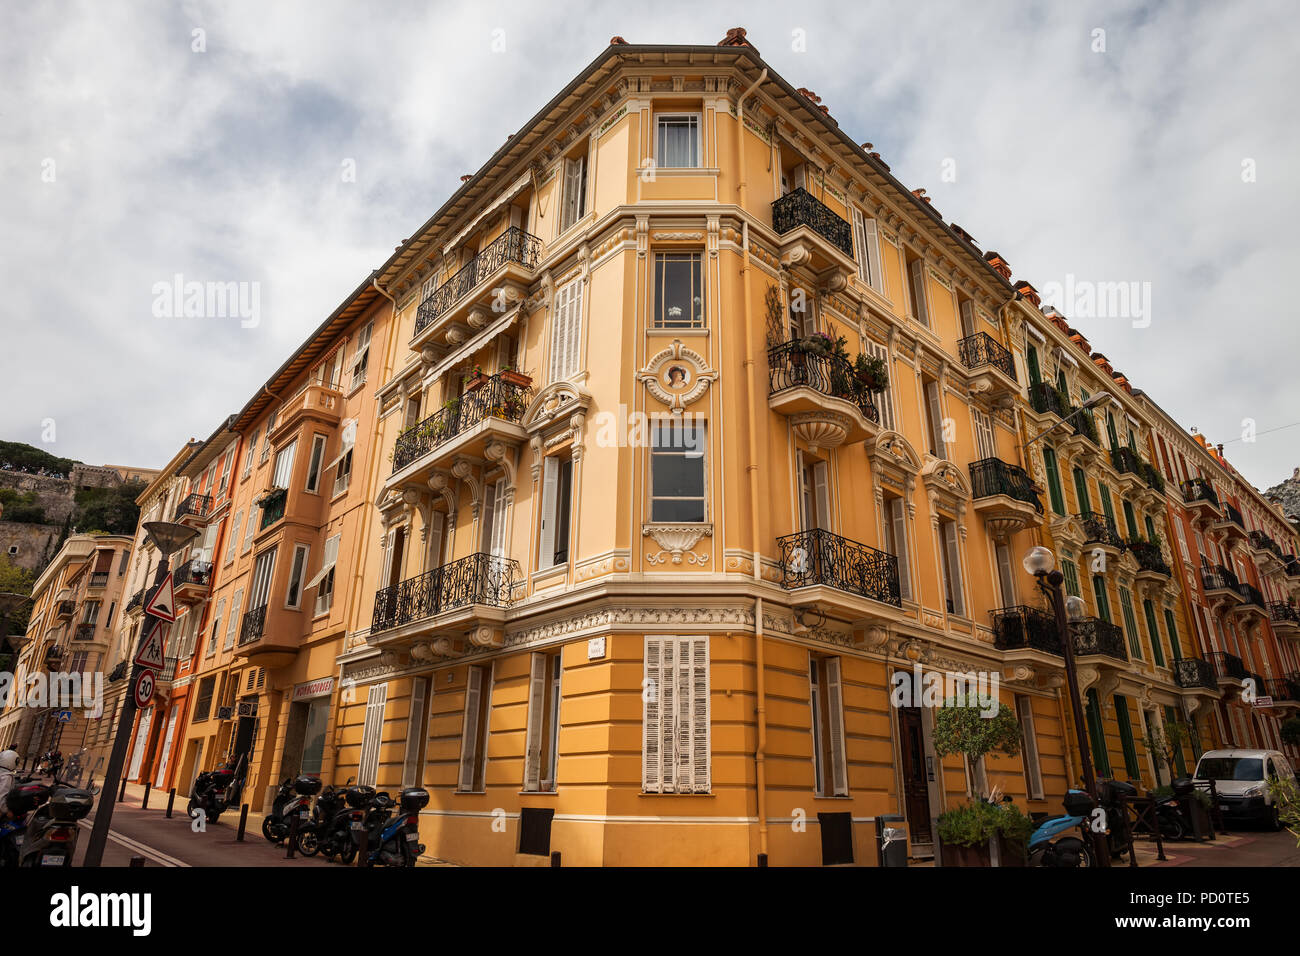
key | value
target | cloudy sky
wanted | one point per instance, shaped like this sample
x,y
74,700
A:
x,y
1159,152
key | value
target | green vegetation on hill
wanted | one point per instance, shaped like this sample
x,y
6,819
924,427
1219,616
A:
x,y
112,510
23,457
21,506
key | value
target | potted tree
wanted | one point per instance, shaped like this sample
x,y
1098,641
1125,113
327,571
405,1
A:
x,y
1165,744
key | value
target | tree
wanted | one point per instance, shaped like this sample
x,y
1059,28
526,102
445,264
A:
x,y
1165,744
961,727
1291,731
108,509
15,580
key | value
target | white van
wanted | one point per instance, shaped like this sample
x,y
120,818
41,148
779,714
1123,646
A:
x,y
1241,779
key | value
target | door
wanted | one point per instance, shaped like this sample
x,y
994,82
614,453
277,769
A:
x,y
160,778
141,739
244,736
916,790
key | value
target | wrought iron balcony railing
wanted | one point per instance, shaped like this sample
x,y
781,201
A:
x,y
1194,672
790,366
196,506
1092,635
1198,489
193,572
1232,514
1228,666
98,579
1124,459
65,608
993,476
1281,688
250,629
820,557
1149,555
1025,628
1086,425
513,245
497,398
137,599
1218,578
1283,613
1151,475
1262,542
799,208
1046,397
982,349
1251,594
84,632
1098,528
168,672
480,578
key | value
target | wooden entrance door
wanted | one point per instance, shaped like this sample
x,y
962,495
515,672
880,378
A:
x,y
916,789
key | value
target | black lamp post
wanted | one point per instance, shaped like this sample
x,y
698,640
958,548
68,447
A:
x,y
1041,563
168,538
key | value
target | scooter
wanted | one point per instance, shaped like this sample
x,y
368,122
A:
x,y
22,800
329,830
1081,812
51,837
216,790
294,797
396,843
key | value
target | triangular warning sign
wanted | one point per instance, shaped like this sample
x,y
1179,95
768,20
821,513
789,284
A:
x,y
151,651
163,603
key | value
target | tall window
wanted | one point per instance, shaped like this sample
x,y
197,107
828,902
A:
x,y
493,541
884,399
216,627
1126,736
473,740
361,359
866,247
248,456
896,542
677,140
566,330
1053,481
234,537
1029,748
543,722
916,286
557,492
314,463
675,724
679,291
372,735
1130,623
263,568
951,554
1175,646
203,703
232,624
418,735
1157,652
1097,735
283,465
934,419
1101,597
677,472
984,442
575,191
323,582
827,700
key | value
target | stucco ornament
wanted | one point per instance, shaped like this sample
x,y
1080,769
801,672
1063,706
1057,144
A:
x,y
677,376
677,540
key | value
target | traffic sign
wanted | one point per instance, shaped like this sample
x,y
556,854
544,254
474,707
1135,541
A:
x,y
65,716
151,651
163,602
144,688
1263,701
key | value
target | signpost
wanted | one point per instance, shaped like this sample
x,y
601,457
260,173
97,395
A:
x,y
144,688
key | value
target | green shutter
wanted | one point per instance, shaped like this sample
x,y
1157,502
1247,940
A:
x,y
1131,520
1107,505
1130,623
1110,430
1174,646
1035,376
1126,737
1172,718
1081,491
1100,760
1071,578
1157,654
1103,600
1151,529
1053,481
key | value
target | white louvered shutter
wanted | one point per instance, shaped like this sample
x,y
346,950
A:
x,y
499,520
550,492
574,329
954,565
234,537
884,399
232,625
835,714
822,492
652,722
368,771
411,772
699,712
967,317
488,527
936,418
536,714
920,307
898,517
435,541
1006,575
469,735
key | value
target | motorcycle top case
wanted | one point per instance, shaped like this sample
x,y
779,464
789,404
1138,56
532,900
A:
x,y
306,786
1112,790
1078,803
417,798
26,798
71,804
359,797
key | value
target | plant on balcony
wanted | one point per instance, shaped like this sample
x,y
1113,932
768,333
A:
x,y
273,498
870,372
509,374
476,378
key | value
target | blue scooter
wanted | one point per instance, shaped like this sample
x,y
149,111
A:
x,y
1082,811
395,843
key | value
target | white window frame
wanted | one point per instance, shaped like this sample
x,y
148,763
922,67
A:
x,y
361,356
315,463
697,125
233,543
473,771
828,735
885,395
233,623
297,572
372,735
216,628
700,454
866,242
1030,760
950,555
574,204
673,665
323,581
282,472
566,330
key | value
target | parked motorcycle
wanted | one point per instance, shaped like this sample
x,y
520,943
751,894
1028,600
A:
x,y
22,800
1080,807
1174,823
51,837
293,797
214,791
329,831
395,843
51,763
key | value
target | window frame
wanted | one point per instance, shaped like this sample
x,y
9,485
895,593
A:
x,y
659,321
655,451
696,118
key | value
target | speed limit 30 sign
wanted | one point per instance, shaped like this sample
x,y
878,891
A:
x,y
144,683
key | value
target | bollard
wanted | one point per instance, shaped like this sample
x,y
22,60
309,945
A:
x,y
144,801
121,794
171,800
555,858
137,861
243,822
762,861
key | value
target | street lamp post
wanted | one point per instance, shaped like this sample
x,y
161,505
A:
x,y
167,538
1041,563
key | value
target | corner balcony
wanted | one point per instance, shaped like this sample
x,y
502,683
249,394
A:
x,y
1252,609
269,636
1266,552
464,426
1231,525
1221,586
63,610
838,575
313,402
1006,496
993,371
193,511
1200,499
499,273
97,579
1025,633
1150,557
463,598
136,604
1046,399
1229,671
814,237
1099,533
1192,673
191,582
83,633
1285,618
1094,637
820,394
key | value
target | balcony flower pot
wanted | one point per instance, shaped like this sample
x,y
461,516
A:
x,y
516,378
870,373
475,382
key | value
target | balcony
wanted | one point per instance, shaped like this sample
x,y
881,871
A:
x,y
1151,560
501,271
314,402
1082,444
1005,495
1285,618
1221,585
1291,569
1192,672
272,504
826,404
136,603
454,597
831,566
1024,628
1231,525
993,371
1045,398
1127,465
1151,475
1252,607
166,676
465,426
1284,691
1099,532
84,632
1199,497
1268,555
252,626
1095,637
97,579
811,233
1228,668
63,610
193,511
191,582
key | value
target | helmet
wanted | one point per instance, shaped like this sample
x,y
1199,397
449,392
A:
x,y
9,760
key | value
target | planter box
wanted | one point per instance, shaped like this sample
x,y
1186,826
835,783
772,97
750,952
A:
x,y
477,381
1009,854
1195,811
517,378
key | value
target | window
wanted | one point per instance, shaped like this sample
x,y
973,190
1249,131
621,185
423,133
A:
x,y
1071,573
896,542
216,627
1029,748
677,141
283,465
866,246
413,760
951,567
493,525
266,439
1130,623
260,591
1175,646
323,582
675,724
108,621
566,330
934,420
90,612
1096,735
372,735
232,624
1053,481
1157,653
885,398
1006,574
121,568
226,464
1126,737
248,458
473,739
916,287
314,463
575,191
234,537
557,490
814,493
343,473
293,597
677,472
984,442
203,704
540,756
361,358
826,698
249,530
678,291
1101,597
